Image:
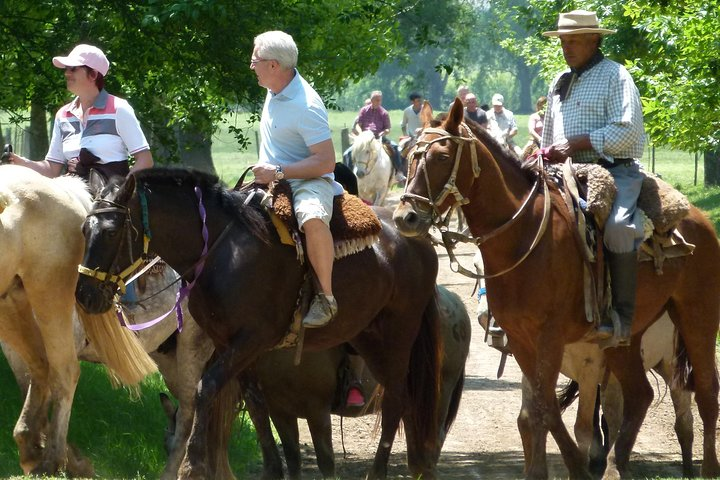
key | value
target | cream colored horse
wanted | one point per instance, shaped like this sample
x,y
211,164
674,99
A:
x,y
40,231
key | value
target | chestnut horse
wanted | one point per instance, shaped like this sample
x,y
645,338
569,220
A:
x,y
534,271
244,286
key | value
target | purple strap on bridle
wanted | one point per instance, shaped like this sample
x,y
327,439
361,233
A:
x,y
184,288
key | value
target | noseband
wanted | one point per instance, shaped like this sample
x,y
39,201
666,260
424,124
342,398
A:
x,y
419,154
449,238
118,280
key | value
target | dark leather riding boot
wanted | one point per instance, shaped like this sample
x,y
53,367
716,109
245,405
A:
x,y
623,285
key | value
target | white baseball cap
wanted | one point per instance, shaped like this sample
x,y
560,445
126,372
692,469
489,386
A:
x,y
84,55
498,99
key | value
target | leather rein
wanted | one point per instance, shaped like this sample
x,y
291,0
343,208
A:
x,y
449,239
119,280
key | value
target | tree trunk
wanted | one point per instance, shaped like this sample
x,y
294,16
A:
x,y
195,149
37,142
525,78
712,168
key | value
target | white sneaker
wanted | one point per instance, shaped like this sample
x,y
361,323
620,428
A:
x,y
322,310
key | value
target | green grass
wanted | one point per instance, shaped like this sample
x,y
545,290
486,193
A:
x,y
121,434
677,168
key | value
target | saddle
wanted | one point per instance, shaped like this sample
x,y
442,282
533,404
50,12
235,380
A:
x,y
589,192
661,206
354,225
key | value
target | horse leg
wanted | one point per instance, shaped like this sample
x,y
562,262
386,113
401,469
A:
x,y
523,422
321,430
21,335
612,405
543,371
682,400
260,417
287,429
54,316
586,414
626,364
182,370
214,398
699,341
392,407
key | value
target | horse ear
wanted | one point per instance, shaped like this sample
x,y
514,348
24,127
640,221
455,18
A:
x,y
455,116
96,182
126,190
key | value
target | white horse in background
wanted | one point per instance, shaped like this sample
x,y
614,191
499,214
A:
x,y
372,166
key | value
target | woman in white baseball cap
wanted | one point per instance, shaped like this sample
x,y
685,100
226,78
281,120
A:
x,y
95,130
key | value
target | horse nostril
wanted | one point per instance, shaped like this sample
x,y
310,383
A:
x,y
411,218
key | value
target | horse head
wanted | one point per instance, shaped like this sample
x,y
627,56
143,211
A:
x,y
365,153
111,242
443,167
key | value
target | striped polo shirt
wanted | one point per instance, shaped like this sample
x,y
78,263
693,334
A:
x,y
111,131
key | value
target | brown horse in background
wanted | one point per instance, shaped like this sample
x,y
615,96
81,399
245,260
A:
x,y
535,285
245,296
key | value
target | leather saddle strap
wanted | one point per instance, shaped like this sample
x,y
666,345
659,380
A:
x,y
590,287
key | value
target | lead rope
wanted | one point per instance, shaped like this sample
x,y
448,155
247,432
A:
x,y
185,288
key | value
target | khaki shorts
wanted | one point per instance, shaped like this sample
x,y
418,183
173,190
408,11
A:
x,y
312,198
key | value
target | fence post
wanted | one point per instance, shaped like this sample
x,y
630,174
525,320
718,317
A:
x,y
257,142
345,139
652,153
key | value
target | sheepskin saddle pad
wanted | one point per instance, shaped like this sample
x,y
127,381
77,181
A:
x,y
354,225
661,205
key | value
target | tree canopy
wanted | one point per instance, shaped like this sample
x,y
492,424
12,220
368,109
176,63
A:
x,y
184,63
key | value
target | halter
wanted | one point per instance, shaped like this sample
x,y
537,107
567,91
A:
x,y
449,238
118,280
420,153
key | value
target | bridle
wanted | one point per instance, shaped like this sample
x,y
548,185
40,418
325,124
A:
x,y
433,204
372,160
117,281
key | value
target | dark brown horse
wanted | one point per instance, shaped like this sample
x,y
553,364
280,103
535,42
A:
x,y
245,288
537,291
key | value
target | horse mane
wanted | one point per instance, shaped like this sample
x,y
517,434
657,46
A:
x,y
528,169
214,191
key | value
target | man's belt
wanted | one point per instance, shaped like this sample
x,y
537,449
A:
x,y
618,161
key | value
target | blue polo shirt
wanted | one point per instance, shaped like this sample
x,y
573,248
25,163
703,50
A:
x,y
292,121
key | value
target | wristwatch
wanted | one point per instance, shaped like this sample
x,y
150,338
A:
x,y
279,174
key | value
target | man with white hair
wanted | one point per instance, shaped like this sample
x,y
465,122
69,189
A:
x,y
594,115
296,145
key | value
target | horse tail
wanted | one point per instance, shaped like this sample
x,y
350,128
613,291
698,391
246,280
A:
x,y
683,374
223,412
424,376
117,347
454,405
568,394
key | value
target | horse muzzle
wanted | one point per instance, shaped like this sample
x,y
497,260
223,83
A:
x,y
93,296
410,221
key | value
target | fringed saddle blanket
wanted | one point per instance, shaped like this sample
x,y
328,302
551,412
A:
x,y
354,225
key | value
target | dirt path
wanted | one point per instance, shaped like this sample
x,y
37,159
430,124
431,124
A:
x,y
484,441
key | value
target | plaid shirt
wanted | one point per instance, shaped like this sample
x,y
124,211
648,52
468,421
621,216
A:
x,y
603,102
